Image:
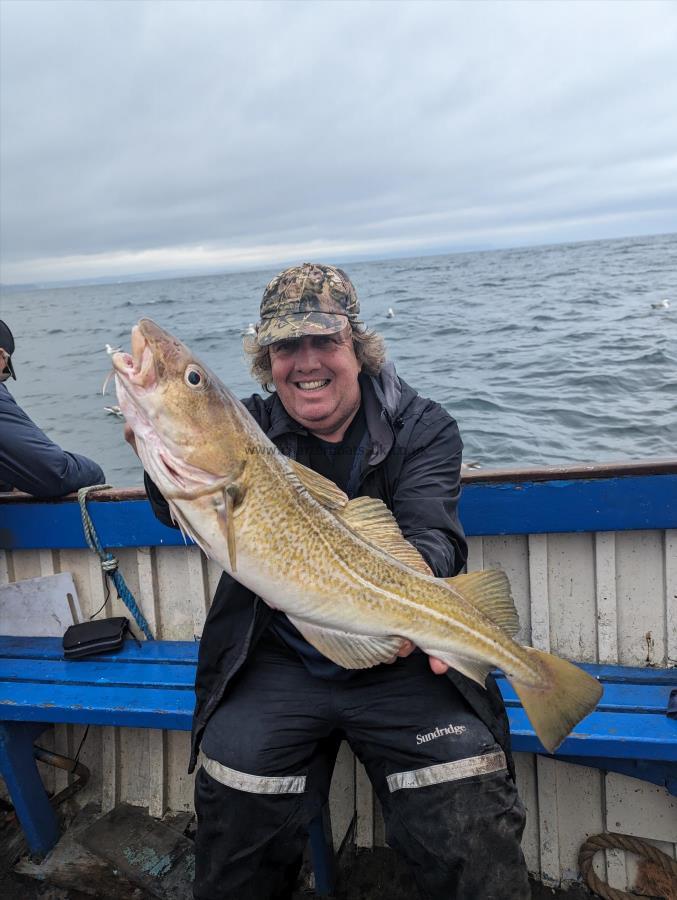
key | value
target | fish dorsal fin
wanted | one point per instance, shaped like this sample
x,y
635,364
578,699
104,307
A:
x,y
321,488
369,518
489,591
375,523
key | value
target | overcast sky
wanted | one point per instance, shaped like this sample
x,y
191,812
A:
x,y
140,137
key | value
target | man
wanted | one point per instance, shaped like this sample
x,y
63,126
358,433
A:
x,y
271,710
29,460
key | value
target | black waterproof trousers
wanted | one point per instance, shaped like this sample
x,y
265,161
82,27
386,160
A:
x,y
450,806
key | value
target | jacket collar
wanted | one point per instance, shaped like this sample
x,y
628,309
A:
x,y
381,398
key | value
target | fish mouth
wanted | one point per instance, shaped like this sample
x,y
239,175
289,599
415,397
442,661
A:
x,y
137,367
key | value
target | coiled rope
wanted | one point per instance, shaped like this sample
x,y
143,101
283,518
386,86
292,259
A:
x,y
109,563
612,841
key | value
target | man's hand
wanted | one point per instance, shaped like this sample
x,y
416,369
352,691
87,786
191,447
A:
x,y
130,437
436,665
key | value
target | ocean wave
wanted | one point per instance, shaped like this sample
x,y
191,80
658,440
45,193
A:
x,y
543,354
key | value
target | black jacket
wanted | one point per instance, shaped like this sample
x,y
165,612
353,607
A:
x,y
414,467
31,462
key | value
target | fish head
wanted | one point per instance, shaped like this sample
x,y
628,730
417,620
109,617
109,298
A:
x,y
191,431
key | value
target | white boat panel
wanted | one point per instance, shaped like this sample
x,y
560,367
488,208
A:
x,y
539,597
671,594
342,795
525,767
641,598
606,598
157,773
511,553
640,809
571,592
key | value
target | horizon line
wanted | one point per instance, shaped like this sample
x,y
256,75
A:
x,y
177,274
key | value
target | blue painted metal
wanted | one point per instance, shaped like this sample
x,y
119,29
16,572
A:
x,y
319,834
628,733
127,523
601,504
605,736
51,648
18,768
528,507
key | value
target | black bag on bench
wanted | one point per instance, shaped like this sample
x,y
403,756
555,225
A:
x,y
97,636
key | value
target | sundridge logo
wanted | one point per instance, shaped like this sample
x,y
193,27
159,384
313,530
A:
x,y
439,732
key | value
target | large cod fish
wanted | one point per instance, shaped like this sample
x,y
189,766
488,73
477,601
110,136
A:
x,y
341,570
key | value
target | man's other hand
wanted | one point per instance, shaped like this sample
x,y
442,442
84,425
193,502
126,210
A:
x,y
436,665
130,437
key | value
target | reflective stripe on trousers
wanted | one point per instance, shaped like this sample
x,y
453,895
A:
x,y
416,778
450,771
254,784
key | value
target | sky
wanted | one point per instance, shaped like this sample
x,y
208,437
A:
x,y
190,137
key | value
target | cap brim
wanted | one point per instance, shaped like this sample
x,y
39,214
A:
x,y
296,325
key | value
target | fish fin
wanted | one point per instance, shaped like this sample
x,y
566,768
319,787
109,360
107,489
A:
x,y
567,695
474,669
321,488
369,518
352,651
374,522
185,529
176,519
181,523
489,592
230,496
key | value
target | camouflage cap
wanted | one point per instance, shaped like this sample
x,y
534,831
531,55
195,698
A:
x,y
306,299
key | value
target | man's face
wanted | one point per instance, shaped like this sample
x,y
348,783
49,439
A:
x,y
4,371
316,379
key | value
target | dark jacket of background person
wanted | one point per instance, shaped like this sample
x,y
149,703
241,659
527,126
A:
x,y
414,468
31,462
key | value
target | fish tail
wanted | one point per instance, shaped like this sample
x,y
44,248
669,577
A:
x,y
554,707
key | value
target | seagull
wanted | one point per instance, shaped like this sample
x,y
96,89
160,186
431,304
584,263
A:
x,y
390,314
250,329
114,411
662,304
111,350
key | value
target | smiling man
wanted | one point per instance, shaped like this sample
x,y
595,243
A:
x,y
271,709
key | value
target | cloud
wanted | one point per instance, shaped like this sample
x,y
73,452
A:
x,y
201,135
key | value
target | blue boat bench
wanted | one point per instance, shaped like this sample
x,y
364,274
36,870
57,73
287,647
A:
x,y
150,685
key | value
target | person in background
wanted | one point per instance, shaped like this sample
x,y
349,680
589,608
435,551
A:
x,y
271,709
29,460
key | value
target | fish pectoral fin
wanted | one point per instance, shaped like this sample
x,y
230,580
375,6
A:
x,y
374,522
489,592
229,497
233,494
180,522
321,488
351,651
474,669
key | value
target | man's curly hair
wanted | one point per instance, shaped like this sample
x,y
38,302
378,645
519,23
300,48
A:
x,y
369,348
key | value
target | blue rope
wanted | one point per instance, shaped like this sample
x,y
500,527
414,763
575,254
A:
x,y
109,563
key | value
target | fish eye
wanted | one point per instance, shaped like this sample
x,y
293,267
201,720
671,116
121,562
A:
x,y
194,377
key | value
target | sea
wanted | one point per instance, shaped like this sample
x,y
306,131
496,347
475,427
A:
x,y
545,355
